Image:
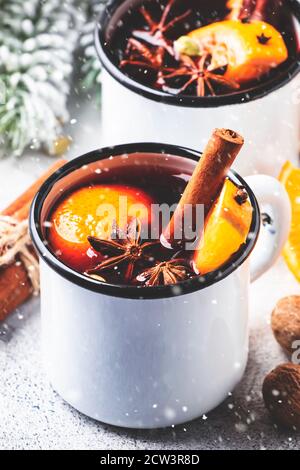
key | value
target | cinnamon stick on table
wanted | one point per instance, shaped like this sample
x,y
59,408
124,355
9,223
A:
x,y
207,180
15,285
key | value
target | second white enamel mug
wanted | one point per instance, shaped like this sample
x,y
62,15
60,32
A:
x,y
267,115
150,357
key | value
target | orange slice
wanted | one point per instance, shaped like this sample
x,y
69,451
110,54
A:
x,y
226,229
248,50
290,178
92,211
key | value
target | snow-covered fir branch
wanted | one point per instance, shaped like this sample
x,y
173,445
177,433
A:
x,y
37,42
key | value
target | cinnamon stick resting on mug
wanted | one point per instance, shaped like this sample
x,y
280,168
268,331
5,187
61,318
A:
x,y
16,282
206,182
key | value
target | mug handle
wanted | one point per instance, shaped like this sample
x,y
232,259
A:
x,y
275,211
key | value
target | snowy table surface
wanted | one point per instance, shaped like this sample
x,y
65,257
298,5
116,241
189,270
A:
x,y
33,416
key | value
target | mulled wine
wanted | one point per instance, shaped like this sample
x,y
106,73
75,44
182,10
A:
x,y
200,48
112,223
117,204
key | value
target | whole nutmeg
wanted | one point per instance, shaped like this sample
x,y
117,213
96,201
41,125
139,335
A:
x,y
286,322
281,392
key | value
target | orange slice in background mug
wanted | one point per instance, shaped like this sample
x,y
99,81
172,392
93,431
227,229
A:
x,y
247,50
92,211
290,178
226,229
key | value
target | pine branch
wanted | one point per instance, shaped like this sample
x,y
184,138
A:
x,y
91,69
37,41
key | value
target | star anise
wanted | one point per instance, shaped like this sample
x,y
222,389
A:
x,y
198,71
148,47
155,32
166,273
124,249
262,39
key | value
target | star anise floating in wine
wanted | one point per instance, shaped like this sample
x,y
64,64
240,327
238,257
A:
x,y
124,250
167,273
137,262
198,72
148,47
155,34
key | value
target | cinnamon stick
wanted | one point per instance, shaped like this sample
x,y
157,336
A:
x,y
251,10
207,180
15,286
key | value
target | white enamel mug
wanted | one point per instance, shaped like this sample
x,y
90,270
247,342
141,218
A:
x,y
266,115
152,356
